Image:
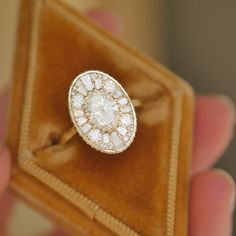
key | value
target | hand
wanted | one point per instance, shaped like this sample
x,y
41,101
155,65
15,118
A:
x,y
212,191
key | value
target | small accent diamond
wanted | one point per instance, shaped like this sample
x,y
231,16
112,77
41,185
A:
x,y
115,108
79,113
87,82
122,130
109,86
95,135
116,140
106,138
98,83
82,90
117,94
78,101
126,109
81,120
126,119
123,101
93,76
108,146
85,128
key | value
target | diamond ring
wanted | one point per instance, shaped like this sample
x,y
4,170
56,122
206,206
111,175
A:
x,y
102,113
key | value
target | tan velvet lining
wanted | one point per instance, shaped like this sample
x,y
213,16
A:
x,y
139,192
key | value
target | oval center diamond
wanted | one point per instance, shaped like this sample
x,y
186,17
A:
x,y
103,109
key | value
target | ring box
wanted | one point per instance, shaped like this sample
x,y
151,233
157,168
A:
x,y
141,191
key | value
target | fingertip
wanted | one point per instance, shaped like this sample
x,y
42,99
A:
x,y
214,127
218,184
211,203
229,184
106,19
4,168
230,104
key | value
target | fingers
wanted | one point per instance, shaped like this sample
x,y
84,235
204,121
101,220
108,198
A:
x,y
214,124
106,20
212,202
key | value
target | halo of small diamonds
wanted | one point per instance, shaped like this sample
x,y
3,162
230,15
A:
x,y
102,112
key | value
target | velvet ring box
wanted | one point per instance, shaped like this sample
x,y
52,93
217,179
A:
x,y
141,191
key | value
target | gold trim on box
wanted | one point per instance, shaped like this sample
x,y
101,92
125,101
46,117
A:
x,y
86,205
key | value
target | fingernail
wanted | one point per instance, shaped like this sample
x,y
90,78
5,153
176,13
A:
x,y
230,104
230,181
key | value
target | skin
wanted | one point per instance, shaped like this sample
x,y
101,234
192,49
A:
x,y
212,191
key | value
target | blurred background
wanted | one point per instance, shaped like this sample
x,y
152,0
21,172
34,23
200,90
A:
x,y
196,39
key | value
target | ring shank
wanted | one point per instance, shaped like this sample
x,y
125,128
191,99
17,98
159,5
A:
x,y
68,135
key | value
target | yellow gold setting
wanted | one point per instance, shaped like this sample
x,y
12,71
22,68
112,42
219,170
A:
x,y
102,112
